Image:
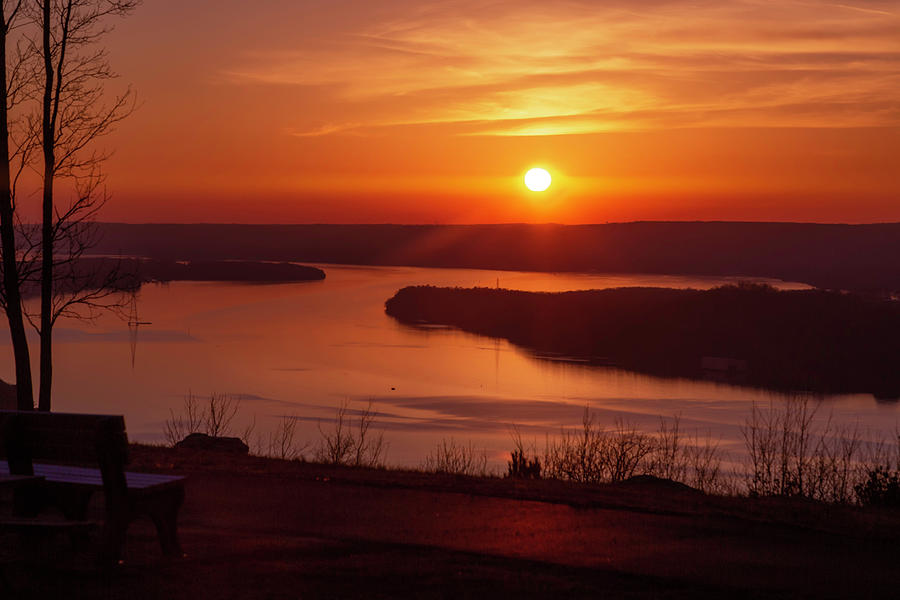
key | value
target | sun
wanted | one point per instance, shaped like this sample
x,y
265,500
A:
x,y
537,179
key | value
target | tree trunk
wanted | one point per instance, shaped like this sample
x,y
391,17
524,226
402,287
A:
x,y
24,393
48,143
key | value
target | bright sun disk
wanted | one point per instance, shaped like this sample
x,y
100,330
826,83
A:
x,y
537,179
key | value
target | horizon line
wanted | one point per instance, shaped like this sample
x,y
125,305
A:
x,y
499,224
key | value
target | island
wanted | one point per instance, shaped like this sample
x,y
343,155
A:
x,y
748,334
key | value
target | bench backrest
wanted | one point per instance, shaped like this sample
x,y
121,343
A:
x,y
67,438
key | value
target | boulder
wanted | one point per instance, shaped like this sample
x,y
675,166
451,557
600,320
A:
x,y
652,480
201,441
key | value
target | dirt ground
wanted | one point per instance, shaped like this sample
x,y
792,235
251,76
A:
x,y
255,528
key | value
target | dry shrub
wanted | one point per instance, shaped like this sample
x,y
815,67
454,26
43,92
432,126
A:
x,y
669,459
576,455
593,454
450,457
779,446
787,455
833,465
220,412
879,487
524,462
878,479
628,451
704,466
351,441
281,441
212,416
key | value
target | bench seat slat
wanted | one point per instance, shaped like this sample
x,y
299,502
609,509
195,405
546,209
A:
x,y
91,477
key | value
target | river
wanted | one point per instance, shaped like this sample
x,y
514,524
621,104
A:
x,y
303,349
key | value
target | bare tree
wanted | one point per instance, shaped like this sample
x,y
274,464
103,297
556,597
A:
x,y
11,291
74,112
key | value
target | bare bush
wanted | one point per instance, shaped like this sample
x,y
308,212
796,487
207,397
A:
x,y
212,417
669,458
190,420
779,443
281,442
593,454
220,411
877,480
788,456
628,449
880,452
457,459
834,465
351,442
336,446
704,465
879,487
523,461
576,455
247,433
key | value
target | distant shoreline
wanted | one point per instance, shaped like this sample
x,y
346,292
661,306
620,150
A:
x,y
129,273
863,258
799,340
149,270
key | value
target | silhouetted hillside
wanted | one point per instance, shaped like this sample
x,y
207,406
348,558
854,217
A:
x,y
792,340
857,257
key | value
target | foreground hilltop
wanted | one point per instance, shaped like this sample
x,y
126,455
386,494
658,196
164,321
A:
x,y
258,528
792,340
851,257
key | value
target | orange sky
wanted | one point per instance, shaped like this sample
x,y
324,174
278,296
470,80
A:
x,y
430,112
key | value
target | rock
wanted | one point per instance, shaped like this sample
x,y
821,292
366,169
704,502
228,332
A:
x,y
201,441
652,480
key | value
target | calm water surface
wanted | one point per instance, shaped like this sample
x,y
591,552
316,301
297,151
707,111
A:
x,y
303,349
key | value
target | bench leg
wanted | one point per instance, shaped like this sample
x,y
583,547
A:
x,y
73,502
29,500
114,529
5,586
163,510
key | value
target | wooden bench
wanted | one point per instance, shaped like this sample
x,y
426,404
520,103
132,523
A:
x,y
76,455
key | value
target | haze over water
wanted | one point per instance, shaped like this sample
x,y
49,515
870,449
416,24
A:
x,y
302,349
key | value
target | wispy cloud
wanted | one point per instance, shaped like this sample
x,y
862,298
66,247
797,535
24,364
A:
x,y
529,68
867,9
